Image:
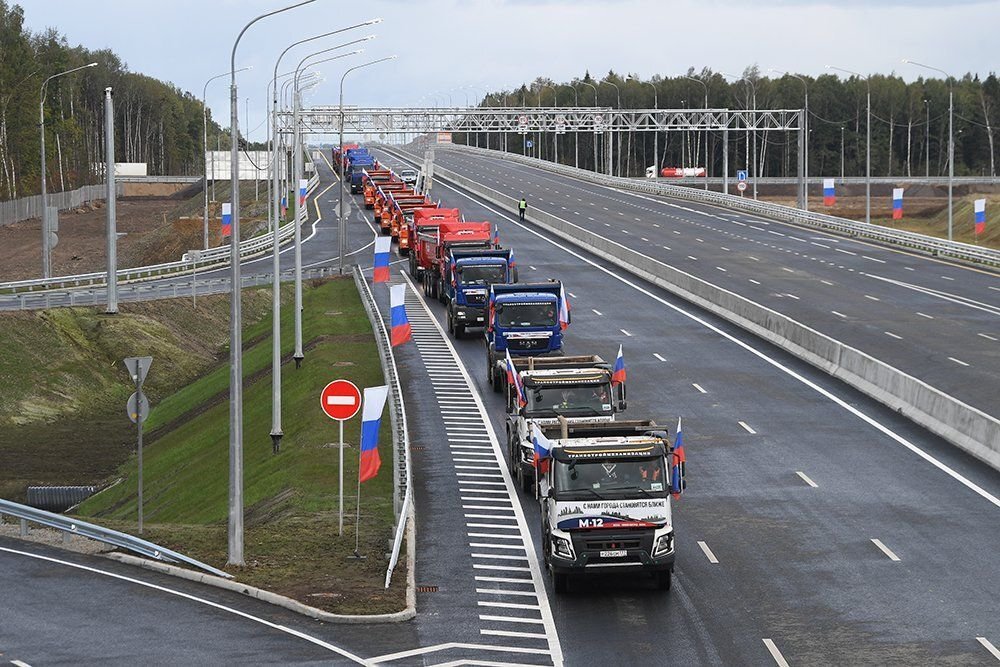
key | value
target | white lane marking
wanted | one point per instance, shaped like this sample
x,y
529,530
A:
x,y
846,252
909,268
504,580
805,478
873,298
946,278
792,296
821,245
721,269
826,282
886,550
694,258
571,295
510,619
511,633
532,268
18,663
771,231
958,361
666,247
986,336
945,296
872,259
847,407
785,268
508,605
775,653
988,645
892,335
838,314
698,387
930,317
725,248
626,333
747,428
497,591
392,657
708,552
658,356
597,312
193,598
755,282
751,257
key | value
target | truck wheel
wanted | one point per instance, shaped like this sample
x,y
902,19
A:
x,y
442,297
459,330
489,368
451,323
527,483
560,582
664,579
498,380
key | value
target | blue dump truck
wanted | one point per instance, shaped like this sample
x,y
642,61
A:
x,y
467,280
358,160
526,320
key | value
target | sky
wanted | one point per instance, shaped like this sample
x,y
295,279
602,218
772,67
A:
x,y
450,49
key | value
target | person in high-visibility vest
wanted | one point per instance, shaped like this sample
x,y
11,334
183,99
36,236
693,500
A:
x,y
522,207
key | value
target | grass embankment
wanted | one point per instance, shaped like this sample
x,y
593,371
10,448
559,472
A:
x,y
292,545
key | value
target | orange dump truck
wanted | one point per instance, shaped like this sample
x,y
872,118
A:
x,y
403,208
372,179
423,220
381,202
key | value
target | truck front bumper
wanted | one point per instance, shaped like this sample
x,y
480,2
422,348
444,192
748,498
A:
x,y
609,552
470,316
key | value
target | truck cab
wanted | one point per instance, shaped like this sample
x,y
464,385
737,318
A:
x,y
381,202
605,501
403,205
522,319
370,180
425,222
468,275
577,390
356,166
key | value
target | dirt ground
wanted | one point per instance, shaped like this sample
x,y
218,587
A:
x,y
81,247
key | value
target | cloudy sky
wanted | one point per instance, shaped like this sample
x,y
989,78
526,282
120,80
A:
x,y
450,47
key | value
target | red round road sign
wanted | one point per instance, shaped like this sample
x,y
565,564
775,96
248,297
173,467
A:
x,y
340,400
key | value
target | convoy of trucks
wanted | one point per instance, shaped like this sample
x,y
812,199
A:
x,y
604,485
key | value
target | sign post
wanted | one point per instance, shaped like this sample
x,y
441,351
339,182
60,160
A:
x,y
340,400
138,409
195,257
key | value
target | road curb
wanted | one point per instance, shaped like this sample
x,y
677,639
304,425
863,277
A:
x,y
280,600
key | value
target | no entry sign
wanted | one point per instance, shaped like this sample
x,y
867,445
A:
x,y
340,400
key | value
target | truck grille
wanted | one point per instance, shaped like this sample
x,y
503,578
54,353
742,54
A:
x,y
527,344
475,299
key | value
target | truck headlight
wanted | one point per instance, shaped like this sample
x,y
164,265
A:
x,y
461,313
562,547
664,544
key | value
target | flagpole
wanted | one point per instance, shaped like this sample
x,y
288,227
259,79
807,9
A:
x,y
357,518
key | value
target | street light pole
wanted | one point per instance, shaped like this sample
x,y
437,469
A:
x,y
46,250
611,158
804,143
708,161
555,137
656,134
868,142
753,173
576,133
343,219
951,136
204,123
235,523
597,169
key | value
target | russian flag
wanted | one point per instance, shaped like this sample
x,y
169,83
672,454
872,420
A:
x,y
618,374
453,267
677,466
371,419
303,185
382,246
397,315
829,194
227,219
496,237
563,308
491,309
897,203
284,205
512,262
542,446
980,208
514,380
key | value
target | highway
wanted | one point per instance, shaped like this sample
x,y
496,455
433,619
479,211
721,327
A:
x,y
819,527
792,479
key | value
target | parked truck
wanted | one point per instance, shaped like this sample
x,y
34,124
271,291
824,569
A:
x,y
426,220
523,319
578,389
370,180
466,279
605,498
434,247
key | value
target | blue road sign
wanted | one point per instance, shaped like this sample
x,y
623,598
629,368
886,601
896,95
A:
x,y
530,144
741,174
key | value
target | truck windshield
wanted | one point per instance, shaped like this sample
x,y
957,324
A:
x,y
527,314
480,274
611,477
580,401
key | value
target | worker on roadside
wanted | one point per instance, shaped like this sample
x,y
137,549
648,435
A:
x,y
522,207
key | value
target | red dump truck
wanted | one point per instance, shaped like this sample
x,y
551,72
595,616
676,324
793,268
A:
x,y
372,179
426,219
402,208
433,247
381,203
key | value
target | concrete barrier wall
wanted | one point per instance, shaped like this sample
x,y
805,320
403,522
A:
x,y
968,428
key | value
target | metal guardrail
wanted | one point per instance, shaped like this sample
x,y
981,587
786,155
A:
x,y
818,180
72,526
920,242
212,258
160,179
26,208
402,482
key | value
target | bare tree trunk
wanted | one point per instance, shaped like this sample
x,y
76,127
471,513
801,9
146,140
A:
x,y
892,131
62,181
989,130
909,145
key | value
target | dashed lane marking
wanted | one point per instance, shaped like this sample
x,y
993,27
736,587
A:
x,y
775,653
708,553
805,478
886,550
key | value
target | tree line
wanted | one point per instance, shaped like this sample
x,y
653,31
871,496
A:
x,y
155,122
909,122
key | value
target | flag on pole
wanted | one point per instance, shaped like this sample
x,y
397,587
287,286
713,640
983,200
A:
x,y
227,219
284,205
679,443
980,208
897,203
371,419
491,309
303,186
542,446
496,237
618,374
563,308
829,193
515,381
453,270
677,465
397,315
382,246
512,262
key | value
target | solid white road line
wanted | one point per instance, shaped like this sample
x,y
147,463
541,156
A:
x,y
873,298
658,356
775,653
626,333
805,478
18,663
497,591
698,387
838,314
929,317
986,336
958,361
892,335
708,553
597,312
510,619
193,598
755,282
886,550
748,429
988,645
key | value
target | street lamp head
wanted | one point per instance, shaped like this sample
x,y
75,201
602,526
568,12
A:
x,y
91,65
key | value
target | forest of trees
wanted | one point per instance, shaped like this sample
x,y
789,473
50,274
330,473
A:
x,y
906,119
155,122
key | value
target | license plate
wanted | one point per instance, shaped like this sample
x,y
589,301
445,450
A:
x,y
616,553
479,319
